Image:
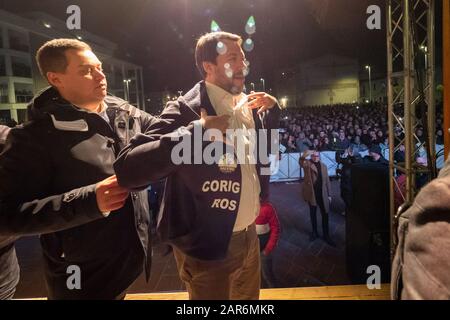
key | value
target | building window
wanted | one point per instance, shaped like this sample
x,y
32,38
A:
x,y
22,115
107,71
4,92
117,78
21,67
23,92
131,88
2,66
5,117
131,74
140,102
114,77
18,41
1,37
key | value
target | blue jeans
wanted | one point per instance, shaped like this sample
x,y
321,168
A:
x,y
268,276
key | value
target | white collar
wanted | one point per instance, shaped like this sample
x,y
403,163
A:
x,y
220,97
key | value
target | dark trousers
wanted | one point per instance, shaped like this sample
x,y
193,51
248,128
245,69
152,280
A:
x,y
267,274
313,215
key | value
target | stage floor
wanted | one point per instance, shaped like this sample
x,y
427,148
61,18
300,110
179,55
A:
x,y
355,292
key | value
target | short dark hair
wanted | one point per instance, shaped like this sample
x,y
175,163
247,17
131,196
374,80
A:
x,y
51,56
206,48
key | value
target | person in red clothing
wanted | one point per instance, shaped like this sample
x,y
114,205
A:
x,y
268,230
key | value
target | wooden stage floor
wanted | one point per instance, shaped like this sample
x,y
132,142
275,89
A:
x,y
355,292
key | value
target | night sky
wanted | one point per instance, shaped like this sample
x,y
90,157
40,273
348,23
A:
x,y
160,34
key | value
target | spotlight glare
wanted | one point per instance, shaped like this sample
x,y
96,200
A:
x,y
221,48
215,26
249,45
250,27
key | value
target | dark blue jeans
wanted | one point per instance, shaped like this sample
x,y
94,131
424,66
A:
x,y
268,275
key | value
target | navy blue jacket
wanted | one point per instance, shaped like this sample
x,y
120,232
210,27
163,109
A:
x,y
189,217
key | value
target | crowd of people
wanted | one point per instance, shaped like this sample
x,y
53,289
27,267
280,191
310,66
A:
x,y
337,127
352,131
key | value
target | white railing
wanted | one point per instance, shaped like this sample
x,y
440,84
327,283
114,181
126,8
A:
x,y
288,168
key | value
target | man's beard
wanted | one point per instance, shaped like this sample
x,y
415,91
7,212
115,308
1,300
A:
x,y
233,88
237,89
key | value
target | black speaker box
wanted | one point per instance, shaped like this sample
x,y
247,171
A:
x,y
368,223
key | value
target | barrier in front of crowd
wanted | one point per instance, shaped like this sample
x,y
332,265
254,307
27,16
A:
x,y
288,169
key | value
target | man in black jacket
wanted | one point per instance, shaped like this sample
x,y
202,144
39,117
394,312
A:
x,y
375,155
209,210
57,179
347,159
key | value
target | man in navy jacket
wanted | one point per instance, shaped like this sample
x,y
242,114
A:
x,y
208,210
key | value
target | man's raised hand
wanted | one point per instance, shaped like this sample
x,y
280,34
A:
x,y
261,101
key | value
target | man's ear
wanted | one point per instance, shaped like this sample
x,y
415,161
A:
x,y
208,67
54,79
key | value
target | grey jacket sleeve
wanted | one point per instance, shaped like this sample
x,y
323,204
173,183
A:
x,y
26,206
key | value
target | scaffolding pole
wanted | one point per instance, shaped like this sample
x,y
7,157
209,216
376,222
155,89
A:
x,y
410,85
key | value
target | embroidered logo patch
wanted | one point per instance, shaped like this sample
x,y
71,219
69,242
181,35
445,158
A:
x,y
227,163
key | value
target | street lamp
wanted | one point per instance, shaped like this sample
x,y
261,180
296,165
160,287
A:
x,y
253,86
425,52
264,84
180,92
284,102
370,82
127,91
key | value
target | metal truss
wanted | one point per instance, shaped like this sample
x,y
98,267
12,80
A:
x,y
410,92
